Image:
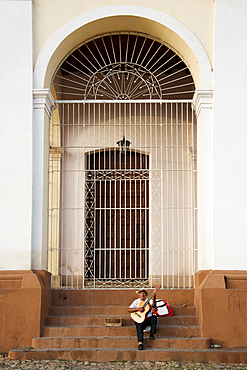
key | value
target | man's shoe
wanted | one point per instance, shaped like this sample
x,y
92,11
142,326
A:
x,y
140,347
151,336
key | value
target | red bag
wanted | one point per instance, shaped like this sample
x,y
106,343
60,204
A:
x,y
162,308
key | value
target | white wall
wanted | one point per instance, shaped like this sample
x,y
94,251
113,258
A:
x,y
16,133
230,135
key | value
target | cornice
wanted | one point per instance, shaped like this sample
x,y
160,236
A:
x,y
203,99
43,99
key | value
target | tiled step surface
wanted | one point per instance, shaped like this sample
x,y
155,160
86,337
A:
x,y
232,356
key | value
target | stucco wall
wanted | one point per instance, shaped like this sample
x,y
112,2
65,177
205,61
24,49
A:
x,y
16,134
229,136
220,300
50,16
54,38
219,26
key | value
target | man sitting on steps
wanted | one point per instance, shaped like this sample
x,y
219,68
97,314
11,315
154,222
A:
x,y
151,320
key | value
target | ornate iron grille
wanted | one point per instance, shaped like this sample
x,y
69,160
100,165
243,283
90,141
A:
x,y
117,218
123,66
123,219
117,214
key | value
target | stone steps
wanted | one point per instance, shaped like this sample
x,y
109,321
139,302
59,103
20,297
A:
x,y
100,320
101,331
116,297
110,310
227,355
120,342
75,330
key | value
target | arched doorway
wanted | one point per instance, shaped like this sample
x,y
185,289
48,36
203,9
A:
x,y
113,88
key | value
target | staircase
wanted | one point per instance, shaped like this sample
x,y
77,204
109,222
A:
x,y
76,330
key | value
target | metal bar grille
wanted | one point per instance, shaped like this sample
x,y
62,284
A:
x,y
125,65
122,216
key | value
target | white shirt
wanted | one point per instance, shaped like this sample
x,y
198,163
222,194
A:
x,y
136,303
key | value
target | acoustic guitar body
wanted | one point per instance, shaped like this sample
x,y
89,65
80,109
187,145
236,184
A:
x,y
140,317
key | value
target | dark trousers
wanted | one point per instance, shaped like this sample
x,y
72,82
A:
x,y
151,321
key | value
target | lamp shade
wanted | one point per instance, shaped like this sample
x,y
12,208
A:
x,y
123,145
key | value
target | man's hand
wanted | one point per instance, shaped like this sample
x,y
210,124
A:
x,y
154,299
140,309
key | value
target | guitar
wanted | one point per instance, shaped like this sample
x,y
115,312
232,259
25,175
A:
x,y
140,317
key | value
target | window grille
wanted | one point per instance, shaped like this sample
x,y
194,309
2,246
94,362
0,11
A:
x,y
122,219
123,167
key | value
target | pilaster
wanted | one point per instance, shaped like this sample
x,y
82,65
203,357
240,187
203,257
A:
x,y
203,106
43,103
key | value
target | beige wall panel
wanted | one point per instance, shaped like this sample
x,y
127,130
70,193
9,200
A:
x,y
49,17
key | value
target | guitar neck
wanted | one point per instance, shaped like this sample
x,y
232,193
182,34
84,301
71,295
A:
x,y
147,302
149,299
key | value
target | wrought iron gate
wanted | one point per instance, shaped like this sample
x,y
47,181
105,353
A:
x,y
117,217
122,216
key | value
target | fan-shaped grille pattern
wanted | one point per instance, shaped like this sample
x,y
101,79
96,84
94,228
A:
x,y
123,66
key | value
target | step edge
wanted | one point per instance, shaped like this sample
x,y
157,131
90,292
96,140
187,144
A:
x,y
125,316
132,337
115,306
125,326
212,350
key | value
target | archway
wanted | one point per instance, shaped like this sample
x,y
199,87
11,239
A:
x,y
123,79
42,69
118,19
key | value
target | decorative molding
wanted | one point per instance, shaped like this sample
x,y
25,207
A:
x,y
43,99
203,99
56,153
